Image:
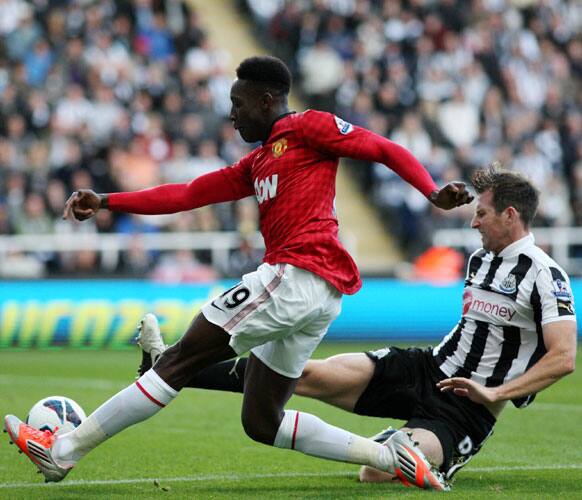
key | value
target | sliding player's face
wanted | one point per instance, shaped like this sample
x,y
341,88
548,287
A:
x,y
249,113
494,227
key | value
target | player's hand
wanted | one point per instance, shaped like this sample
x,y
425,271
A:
x,y
82,205
454,194
468,388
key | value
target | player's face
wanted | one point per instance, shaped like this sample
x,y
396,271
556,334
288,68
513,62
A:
x,y
494,227
248,113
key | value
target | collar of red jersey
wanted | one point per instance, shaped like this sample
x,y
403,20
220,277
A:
x,y
280,117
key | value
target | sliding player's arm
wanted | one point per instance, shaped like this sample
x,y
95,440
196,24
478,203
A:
x,y
557,362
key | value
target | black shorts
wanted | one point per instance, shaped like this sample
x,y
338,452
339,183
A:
x,y
404,387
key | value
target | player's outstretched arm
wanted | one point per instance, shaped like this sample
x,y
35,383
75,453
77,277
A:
x,y
227,184
362,144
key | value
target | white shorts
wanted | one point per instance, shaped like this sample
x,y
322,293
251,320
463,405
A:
x,y
279,312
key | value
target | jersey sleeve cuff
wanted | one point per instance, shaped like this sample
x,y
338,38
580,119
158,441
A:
x,y
570,317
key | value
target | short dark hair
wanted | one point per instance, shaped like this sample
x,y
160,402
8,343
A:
x,y
510,189
269,70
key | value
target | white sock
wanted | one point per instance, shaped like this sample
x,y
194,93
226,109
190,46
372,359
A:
x,y
141,400
312,436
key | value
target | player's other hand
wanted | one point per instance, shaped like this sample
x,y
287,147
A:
x,y
82,205
454,194
469,388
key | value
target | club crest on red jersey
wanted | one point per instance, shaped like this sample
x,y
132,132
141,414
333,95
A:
x,y
279,147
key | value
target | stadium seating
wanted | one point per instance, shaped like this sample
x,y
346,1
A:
x,y
122,95
110,96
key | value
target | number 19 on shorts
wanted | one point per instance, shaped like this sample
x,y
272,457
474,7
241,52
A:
x,y
232,298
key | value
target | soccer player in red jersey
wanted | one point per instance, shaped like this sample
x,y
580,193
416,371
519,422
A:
x,y
281,311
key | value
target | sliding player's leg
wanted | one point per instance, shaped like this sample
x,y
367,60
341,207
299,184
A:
x,y
449,430
338,380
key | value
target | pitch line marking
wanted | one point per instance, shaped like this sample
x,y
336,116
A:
x,y
244,477
554,406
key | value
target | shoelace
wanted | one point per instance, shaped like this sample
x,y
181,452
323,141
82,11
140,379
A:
x,y
45,437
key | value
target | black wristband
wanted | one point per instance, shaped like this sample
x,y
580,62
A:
x,y
104,201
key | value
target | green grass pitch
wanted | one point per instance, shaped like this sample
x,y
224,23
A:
x,y
196,447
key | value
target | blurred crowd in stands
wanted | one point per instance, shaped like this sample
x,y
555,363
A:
x,y
461,83
112,95
126,94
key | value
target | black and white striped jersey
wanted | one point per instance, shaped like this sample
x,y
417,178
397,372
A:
x,y
507,299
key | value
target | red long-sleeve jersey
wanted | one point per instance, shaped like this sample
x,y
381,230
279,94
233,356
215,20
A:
x,y
292,176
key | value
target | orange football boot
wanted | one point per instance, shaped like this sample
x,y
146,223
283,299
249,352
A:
x,y
411,466
37,446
